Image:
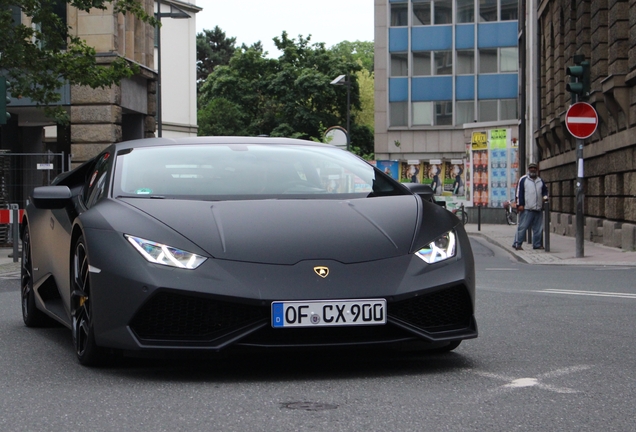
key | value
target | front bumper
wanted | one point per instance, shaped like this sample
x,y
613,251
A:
x,y
140,306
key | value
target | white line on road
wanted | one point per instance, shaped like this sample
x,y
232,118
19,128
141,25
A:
x,y
588,293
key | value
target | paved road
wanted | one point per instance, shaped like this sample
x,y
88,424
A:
x,y
556,352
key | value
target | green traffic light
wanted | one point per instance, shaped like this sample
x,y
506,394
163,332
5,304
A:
x,y
579,85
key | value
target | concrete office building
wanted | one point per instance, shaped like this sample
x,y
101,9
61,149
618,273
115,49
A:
x,y
446,95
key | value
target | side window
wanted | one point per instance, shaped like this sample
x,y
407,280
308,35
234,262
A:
x,y
97,181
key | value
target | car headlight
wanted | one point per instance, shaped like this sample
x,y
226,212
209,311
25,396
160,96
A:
x,y
442,248
158,253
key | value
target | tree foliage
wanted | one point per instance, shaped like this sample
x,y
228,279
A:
x,y
214,49
287,96
359,51
39,58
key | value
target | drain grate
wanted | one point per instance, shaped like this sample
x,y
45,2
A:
x,y
308,406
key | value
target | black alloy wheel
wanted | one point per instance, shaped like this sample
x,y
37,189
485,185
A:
x,y
88,353
32,316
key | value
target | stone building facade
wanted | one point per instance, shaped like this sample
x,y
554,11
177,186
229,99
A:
x,y
100,117
604,31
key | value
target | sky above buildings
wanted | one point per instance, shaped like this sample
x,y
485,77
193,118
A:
x,y
328,21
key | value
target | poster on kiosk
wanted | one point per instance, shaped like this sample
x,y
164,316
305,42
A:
x,y
494,163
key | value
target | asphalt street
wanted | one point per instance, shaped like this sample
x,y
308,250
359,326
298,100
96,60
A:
x,y
556,351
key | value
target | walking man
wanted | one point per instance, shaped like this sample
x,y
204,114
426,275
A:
x,y
531,192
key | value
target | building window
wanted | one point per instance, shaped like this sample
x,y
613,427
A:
x,y
399,65
422,63
399,14
498,109
465,11
423,114
465,62
398,113
443,62
509,59
508,109
443,11
465,112
494,60
487,10
509,10
488,60
488,110
421,12
444,113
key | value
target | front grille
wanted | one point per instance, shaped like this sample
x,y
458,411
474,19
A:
x,y
446,309
177,317
326,336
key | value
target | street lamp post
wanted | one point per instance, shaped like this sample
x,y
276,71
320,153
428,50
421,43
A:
x,y
175,13
344,80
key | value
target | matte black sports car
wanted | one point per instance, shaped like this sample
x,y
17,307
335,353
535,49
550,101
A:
x,y
201,244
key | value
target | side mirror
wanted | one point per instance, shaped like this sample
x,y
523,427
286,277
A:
x,y
51,197
423,190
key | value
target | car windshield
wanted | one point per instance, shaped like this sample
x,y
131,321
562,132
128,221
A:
x,y
247,171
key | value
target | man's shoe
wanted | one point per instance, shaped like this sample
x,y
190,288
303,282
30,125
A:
x,y
540,247
517,248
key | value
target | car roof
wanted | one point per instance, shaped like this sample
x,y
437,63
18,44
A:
x,y
157,142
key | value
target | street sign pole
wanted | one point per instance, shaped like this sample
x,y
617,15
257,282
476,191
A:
x,y
581,120
580,195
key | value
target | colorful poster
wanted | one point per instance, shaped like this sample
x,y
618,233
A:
x,y
411,172
434,175
480,177
513,155
454,178
391,168
480,141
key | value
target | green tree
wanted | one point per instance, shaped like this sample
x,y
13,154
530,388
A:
x,y
358,51
288,96
214,49
39,58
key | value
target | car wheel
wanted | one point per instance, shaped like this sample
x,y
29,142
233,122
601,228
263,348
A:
x,y
32,316
88,353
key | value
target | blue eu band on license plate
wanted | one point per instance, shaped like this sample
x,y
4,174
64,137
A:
x,y
328,313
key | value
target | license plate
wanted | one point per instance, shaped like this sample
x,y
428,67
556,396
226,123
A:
x,y
328,313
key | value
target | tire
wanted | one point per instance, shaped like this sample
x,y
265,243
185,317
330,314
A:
x,y
86,350
31,315
511,217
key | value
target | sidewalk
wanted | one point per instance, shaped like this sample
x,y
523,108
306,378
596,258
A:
x,y
6,260
562,248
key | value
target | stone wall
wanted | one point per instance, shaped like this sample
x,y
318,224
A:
x,y
605,32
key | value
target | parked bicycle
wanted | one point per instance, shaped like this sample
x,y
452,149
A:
x,y
511,212
460,212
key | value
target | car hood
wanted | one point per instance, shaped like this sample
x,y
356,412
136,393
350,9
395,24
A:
x,y
288,231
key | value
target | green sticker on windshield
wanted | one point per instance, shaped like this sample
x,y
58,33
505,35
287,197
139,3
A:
x,y
143,191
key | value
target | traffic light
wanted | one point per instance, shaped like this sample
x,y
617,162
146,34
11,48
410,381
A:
x,y
579,85
4,100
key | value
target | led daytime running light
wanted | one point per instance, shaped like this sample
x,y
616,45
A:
x,y
159,253
439,250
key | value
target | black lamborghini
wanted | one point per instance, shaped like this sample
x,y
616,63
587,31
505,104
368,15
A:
x,y
206,244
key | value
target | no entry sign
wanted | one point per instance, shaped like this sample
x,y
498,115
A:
x,y
581,120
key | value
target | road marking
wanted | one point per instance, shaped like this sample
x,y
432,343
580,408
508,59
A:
x,y
588,293
501,269
516,383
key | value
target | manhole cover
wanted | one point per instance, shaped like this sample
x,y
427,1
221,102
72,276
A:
x,y
309,406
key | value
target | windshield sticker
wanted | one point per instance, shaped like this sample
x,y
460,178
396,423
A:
x,y
143,191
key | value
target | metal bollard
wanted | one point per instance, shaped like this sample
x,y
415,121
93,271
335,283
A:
x,y
479,217
15,229
546,226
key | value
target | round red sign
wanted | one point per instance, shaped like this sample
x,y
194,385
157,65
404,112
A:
x,y
581,120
